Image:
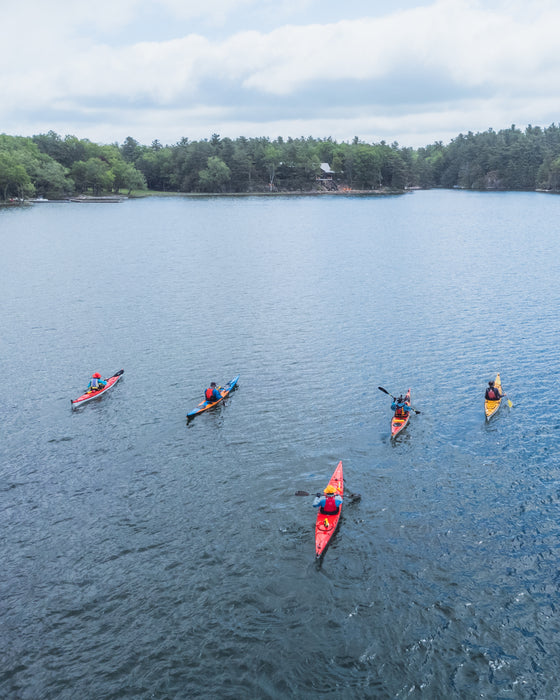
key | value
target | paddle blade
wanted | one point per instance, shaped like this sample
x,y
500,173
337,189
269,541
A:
x,y
302,493
384,390
510,404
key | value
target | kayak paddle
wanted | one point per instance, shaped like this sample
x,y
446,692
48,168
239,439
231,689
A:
x,y
394,397
351,496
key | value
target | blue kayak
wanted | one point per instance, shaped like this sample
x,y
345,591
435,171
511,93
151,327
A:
x,y
205,405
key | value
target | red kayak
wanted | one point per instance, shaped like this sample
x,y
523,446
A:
x,y
326,525
89,395
400,423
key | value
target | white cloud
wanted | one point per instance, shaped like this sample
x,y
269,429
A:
x,y
216,11
413,71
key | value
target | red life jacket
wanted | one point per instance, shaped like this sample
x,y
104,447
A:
x,y
492,396
330,506
400,412
209,393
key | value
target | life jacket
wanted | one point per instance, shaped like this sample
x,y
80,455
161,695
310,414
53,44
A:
x,y
491,395
209,393
330,507
94,384
400,412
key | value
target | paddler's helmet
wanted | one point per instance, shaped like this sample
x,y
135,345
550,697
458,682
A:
x,y
491,382
212,383
97,375
330,489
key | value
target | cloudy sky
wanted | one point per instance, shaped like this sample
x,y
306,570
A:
x,y
411,71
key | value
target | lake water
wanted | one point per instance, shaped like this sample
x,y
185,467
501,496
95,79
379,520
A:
x,y
144,558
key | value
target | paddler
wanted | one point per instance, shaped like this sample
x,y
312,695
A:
x,y
329,502
492,392
212,393
96,383
400,407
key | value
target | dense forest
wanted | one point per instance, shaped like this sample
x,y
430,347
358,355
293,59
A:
x,y
47,165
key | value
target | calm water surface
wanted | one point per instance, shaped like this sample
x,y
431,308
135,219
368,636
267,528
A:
x,y
144,558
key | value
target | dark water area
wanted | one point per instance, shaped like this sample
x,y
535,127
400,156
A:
x,y
144,558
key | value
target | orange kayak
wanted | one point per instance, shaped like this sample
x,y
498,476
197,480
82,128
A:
x,y
326,525
399,424
491,407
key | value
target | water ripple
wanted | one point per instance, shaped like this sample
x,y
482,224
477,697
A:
x,y
144,558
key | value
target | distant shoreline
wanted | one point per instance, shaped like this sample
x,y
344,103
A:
x,y
142,194
345,193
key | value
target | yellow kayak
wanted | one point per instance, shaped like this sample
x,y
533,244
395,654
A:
x,y
491,407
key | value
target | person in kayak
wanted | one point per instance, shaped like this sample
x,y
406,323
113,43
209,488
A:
x,y
212,393
329,502
96,383
492,392
400,407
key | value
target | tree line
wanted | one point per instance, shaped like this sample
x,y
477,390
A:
x,y
54,167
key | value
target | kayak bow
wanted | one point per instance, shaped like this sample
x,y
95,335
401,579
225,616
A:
x,y
326,525
205,405
89,395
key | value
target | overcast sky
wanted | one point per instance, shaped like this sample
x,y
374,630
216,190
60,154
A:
x,y
411,71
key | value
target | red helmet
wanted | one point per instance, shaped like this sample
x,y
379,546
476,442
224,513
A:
x,y
97,375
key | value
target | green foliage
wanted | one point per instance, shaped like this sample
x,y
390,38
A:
x,y
131,150
52,181
215,176
25,170
272,160
364,165
125,176
57,167
509,159
14,180
241,167
93,174
156,167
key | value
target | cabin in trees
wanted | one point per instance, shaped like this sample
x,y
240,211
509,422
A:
x,y
326,177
